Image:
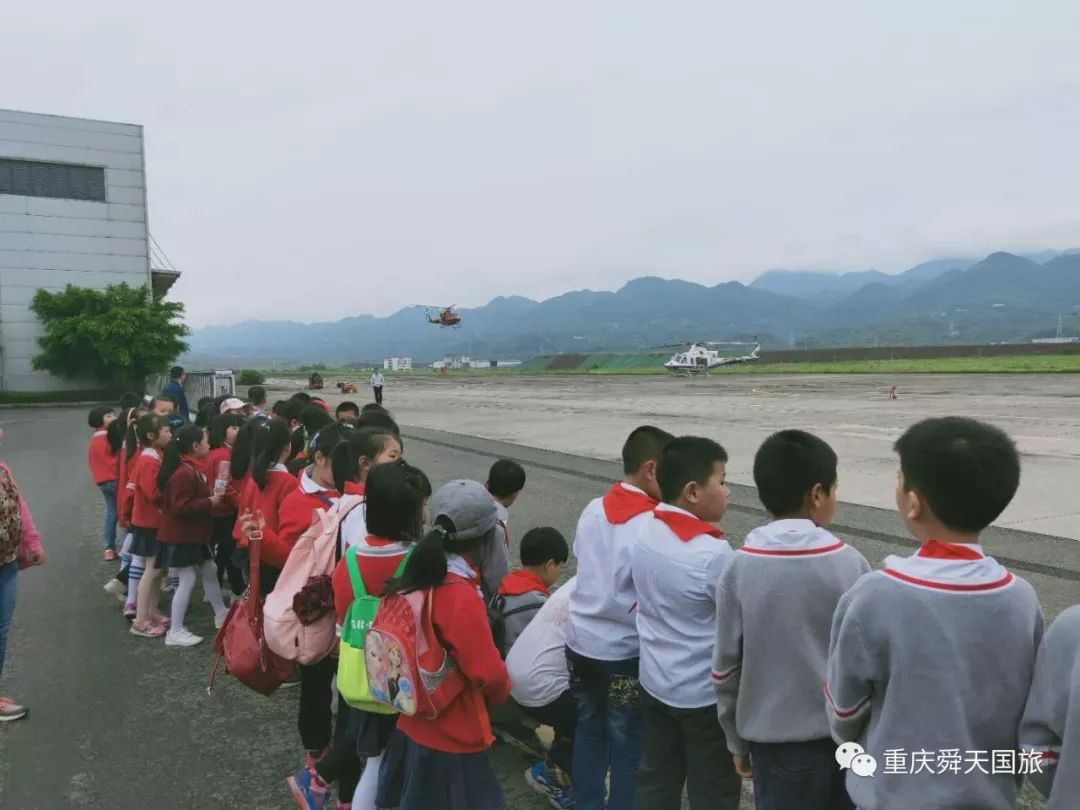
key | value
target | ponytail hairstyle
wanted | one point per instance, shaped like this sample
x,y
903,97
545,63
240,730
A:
x,y
365,443
427,564
148,427
271,439
131,436
219,427
242,450
181,445
117,431
395,502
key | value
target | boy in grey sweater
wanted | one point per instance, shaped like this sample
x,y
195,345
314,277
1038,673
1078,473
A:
x,y
775,603
1051,722
931,659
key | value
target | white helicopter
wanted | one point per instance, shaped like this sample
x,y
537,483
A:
x,y
699,358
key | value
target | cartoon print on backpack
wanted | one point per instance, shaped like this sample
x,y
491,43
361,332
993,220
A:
x,y
387,674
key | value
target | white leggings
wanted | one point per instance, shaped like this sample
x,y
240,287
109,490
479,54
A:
x,y
182,597
368,786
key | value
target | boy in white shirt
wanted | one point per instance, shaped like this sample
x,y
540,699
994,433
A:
x,y
677,560
601,635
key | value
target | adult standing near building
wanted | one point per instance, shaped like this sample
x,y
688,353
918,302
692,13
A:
x,y
377,383
175,388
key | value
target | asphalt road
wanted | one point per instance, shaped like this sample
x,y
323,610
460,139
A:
x,y
122,722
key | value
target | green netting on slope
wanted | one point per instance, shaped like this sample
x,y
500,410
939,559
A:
x,y
538,363
617,362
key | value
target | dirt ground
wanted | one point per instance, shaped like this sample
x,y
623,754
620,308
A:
x,y
590,416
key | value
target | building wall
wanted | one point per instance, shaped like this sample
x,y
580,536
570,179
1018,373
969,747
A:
x,y
49,243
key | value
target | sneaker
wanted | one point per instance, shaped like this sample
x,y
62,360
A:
x,y
167,587
310,792
130,610
110,555
292,681
162,621
182,637
219,621
148,630
539,780
10,710
116,588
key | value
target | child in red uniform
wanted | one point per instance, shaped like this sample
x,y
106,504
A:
x,y
184,536
102,459
118,435
224,429
353,460
444,762
154,436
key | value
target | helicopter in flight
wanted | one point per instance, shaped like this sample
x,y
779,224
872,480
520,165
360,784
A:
x,y
443,316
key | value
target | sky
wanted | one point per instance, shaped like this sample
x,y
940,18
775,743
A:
x,y
314,161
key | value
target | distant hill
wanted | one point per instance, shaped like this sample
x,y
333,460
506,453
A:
x,y
1002,297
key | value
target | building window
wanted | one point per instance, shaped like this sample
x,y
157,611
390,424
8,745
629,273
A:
x,y
66,181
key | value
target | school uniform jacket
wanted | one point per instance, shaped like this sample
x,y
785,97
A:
x,y
279,484
297,511
146,509
186,507
775,603
125,493
1051,721
101,458
460,619
377,559
677,561
602,623
935,652
232,494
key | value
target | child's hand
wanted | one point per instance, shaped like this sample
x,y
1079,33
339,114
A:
x,y
36,558
217,499
742,766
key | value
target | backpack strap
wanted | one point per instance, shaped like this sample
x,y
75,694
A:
x,y
522,609
404,561
359,591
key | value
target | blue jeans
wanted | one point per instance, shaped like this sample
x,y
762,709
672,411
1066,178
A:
x,y
7,604
610,732
108,530
801,775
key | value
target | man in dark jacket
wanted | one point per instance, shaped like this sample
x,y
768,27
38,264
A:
x,y
175,388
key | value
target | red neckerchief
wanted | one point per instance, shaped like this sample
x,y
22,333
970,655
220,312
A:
x,y
197,464
622,504
937,550
686,527
354,488
518,582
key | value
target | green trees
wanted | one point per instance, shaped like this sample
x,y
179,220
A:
x,y
118,335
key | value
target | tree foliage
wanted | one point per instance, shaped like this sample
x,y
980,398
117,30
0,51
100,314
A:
x,y
250,376
118,335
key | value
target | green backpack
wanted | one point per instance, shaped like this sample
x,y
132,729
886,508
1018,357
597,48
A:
x,y
352,677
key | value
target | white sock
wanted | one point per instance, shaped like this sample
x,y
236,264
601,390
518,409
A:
x,y
135,573
125,549
185,585
368,786
212,589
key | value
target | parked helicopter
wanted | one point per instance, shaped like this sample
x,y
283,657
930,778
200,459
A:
x,y
698,358
443,316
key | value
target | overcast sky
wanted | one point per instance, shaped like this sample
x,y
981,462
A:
x,y
312,161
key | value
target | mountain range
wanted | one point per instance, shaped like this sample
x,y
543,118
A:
x,y
1003,297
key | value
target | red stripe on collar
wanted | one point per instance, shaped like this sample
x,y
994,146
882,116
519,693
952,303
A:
x,y
946,586
795,552
686,527
937,550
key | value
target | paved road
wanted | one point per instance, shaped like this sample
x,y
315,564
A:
x,y
121,722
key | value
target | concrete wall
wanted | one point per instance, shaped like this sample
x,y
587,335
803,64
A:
x,y
46,242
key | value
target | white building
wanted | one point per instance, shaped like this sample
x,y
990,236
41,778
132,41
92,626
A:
x,y
72,211
397,364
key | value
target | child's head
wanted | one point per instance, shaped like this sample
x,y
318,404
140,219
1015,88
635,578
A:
x,y
795,474
545,551
224,429
302,396
163,405
154,431
130,400
347,410
957,475
243,448
257,396
271,444
205,402
189,442
321,450
692,475
640,455
505,481
363,449
395,502
101,417
314,418
377,419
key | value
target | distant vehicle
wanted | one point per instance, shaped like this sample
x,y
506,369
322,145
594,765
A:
x,y
699,358
445,316
315,382
347,387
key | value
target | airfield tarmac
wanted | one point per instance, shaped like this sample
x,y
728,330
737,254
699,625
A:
x,y
591,415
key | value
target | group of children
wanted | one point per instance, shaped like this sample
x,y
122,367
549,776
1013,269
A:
x,y
670,662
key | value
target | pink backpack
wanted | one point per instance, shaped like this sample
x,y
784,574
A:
x,y
408,668
298,615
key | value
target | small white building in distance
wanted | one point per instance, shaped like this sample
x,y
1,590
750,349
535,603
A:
x,y
397,364
72,211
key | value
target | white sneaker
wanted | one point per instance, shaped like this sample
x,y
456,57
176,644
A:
x,y
219,620
182,638
116,588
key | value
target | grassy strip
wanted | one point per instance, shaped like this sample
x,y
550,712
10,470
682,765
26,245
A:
x,y
54,397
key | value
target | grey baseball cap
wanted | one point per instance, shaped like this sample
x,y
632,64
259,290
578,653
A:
x,y
468,505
